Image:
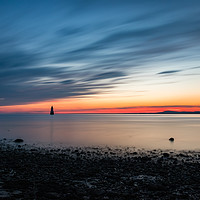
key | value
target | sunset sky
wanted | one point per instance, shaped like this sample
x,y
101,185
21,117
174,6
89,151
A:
x,y
105,56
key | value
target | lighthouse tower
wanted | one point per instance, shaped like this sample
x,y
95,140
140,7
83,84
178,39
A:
x,y
51,112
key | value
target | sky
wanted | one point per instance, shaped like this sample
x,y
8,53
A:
x,y
103,56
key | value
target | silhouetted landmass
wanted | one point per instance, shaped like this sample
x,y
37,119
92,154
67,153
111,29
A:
x,y
164,112
177,112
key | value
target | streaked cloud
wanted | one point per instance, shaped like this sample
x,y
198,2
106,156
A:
x,y
169,72
69,49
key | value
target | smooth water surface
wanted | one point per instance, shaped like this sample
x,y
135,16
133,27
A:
x,y
142,131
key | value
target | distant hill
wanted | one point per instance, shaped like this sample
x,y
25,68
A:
x,y
177,112
164,112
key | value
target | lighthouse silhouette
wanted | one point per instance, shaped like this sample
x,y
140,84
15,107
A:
x,y
51,112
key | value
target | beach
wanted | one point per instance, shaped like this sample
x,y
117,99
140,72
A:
x,y
94,172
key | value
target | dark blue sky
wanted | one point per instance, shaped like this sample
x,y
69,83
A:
x,y
58,49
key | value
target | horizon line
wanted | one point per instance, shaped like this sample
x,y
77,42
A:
x,y
60,113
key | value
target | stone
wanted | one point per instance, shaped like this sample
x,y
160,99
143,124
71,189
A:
x,y
166,155
171,139
18,140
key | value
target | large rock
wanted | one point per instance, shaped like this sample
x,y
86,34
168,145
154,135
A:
x,y
166,155
18,141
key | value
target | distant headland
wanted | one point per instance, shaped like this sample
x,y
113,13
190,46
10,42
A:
x,y
163,112
178,112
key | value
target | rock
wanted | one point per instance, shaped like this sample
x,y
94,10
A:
x,y
156,187
171,139
166,155
16,192
4,194
18,140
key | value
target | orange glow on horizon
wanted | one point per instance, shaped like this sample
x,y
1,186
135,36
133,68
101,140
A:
x,y
84,105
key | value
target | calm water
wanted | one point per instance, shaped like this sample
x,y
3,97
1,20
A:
x,y
143,131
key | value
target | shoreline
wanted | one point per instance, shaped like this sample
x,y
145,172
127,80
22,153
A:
x,y
30,172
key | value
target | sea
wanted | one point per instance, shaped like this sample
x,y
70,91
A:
x,y
148,131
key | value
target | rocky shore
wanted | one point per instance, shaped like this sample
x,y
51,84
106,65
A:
x,y
30,172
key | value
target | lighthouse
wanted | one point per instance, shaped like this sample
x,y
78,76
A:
x,y
51,112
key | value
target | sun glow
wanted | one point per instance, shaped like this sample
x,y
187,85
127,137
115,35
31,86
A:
x,y
108,104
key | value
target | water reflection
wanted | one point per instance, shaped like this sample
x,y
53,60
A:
x,y
143,131
51,129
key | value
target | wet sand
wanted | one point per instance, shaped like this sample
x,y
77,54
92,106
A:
x,y
30,172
